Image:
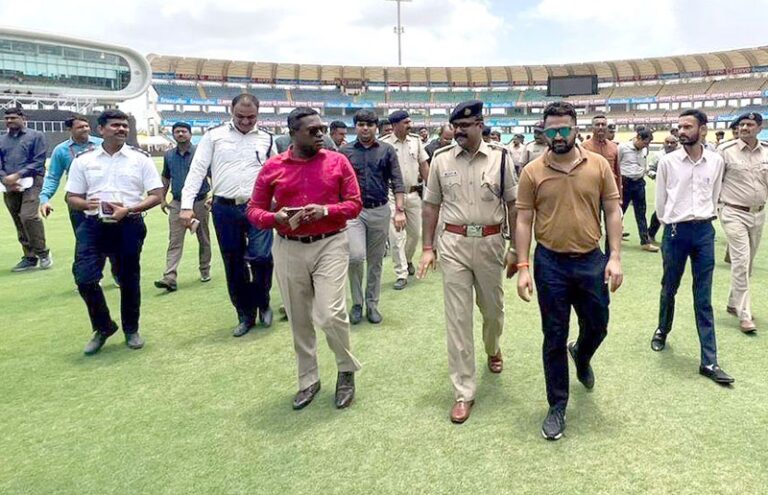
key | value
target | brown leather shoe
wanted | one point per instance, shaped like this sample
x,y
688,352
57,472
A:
x,y
650,248
731,311
496,363
460,411
747,326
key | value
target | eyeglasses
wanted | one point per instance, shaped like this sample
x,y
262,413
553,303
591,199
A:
x,y
554,131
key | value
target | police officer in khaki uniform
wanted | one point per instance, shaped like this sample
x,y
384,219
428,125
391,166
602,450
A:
x,y
742,214
413,164
473,192
535,148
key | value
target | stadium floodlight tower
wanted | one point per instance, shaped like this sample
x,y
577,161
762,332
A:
x,y
399,31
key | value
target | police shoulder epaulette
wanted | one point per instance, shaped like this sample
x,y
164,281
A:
x,y
216,126
85,151
499,147
385,135
261,129
727,144
139,150
444,149
413,134
763,143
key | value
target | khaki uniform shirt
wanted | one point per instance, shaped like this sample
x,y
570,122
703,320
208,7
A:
x,y
532,151
516,154
745,180
567,205
410,153
469,187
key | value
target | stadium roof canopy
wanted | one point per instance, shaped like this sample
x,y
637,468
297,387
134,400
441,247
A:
x,y
674,67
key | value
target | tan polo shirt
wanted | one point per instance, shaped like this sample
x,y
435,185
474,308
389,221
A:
x,y
567,206
410,152
469,187
745,180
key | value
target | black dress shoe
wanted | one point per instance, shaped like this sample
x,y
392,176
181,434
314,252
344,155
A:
x,y
411,269
374,316
345,389
356,315
304,397
585,375
134,340
716,374
242,328
400,284
659,340
95,344
164,284
265,317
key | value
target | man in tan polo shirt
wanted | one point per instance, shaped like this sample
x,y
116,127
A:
x,y
413,164
467,189
742,199
565,188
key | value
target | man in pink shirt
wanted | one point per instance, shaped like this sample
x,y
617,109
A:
x,y
307,194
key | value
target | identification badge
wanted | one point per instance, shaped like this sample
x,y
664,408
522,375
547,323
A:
x,y
451,173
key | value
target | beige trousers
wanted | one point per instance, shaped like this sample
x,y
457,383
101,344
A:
x,y
472,267
743,230
312,280
403,244
176,232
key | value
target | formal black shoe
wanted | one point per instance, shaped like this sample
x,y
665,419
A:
x,y
242,328
625,235
716,374
134,340
26,263
374,316
659,340
411,269
400,284
554,424
168,285
304,397
345,389
585,374
265,317
356,315
95,344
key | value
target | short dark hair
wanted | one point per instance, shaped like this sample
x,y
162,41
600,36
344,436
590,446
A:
x,y
111,114
599,116
70,122
245,98
337,124
14,111
720,133
367,116
486,130
298,113
181,124
697,114
422,127
559,109
645,134
383,122
443,128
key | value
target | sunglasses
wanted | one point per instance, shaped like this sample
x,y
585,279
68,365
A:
x,y
554,131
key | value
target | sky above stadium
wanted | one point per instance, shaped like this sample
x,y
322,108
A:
x,y
437,32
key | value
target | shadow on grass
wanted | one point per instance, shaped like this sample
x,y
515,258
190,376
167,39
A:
x,y
278,410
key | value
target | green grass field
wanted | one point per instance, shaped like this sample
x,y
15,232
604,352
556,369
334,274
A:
x,y
197,411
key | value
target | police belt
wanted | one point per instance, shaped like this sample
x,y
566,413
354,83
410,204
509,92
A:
x,y
753,209
473,230
308,239
374,204
228,201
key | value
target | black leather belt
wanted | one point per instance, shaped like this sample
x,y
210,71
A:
x,y
753,209
227,201
374,204
308,239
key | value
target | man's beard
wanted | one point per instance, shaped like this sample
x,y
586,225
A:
x,y
561,147
689,140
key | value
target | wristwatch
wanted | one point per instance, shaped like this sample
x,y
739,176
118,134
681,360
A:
x,y
399,209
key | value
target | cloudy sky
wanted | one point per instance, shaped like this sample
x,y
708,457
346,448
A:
x,y
437,32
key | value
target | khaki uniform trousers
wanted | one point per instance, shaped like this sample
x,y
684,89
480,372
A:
x,y
403,244
176,232
312,280
743,230
471,265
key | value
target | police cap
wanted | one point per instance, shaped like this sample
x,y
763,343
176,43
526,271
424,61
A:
x,y
398,116
757,117
467,109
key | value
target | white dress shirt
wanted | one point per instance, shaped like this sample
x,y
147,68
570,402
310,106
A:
x,y
235,160
123,177
688,190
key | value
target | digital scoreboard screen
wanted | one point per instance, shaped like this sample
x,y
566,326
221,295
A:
x,y
571,85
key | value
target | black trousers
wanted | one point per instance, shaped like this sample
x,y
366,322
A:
x,y
564,281
76,217
247,255
634,193
122,243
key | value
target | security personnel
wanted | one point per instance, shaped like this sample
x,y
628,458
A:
x,y
235,152
472,184
742,209
108,184
414,167
535,148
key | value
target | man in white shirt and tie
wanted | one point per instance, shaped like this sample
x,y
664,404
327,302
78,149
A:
x,y
688,184
235,153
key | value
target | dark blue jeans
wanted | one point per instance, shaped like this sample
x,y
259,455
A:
x,y
564,281
247,255
697,241
121,242
634,192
